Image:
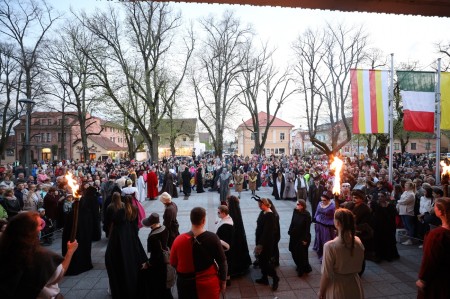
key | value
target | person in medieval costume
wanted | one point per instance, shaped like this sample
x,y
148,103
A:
x,y
152,184
142,187
224,184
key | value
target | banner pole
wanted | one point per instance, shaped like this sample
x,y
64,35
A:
x,y
391,122
438,124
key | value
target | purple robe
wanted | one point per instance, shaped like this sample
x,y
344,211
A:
x,y
324,227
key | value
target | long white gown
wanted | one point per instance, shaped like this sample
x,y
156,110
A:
x,y
142,189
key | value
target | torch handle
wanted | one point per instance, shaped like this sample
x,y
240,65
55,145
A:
x,y
75,208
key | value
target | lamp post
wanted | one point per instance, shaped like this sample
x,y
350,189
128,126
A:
x,y
28,105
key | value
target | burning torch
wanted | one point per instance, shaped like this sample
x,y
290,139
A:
x,y
445,176
336,165
73,184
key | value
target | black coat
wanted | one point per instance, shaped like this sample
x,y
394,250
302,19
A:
x,y
81,259
300,229
265,233
186,177
124,255
156,275
239,255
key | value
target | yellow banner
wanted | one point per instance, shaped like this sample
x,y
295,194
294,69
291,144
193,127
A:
x,y
445,101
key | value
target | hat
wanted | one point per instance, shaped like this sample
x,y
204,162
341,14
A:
x,y
264,201
152,219
165,198
112,176
41,210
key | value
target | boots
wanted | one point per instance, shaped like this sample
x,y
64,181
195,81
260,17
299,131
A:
x,y
263,280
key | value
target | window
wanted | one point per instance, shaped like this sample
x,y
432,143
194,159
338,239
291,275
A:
x,y
427,146
262,136
59,121
61,135
184,138
281,136
396,146
413,146
346,149
43,121
252,135
49,122
42,137
49,137
114,139
281,151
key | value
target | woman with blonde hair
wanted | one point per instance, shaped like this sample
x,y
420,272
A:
x,y
342,260
405,208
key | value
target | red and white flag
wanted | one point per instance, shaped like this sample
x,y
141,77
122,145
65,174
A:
x,y
417,90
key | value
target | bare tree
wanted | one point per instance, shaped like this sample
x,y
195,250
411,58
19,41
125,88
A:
x,y
220,62
261,76
324,60
131,61
10,80
23,25
72,70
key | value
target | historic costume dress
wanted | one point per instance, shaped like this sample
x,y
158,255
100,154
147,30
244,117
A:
x,y
197,273
152,185
239,255
224,182
29,282
88,217
289,189
199,180
299,232
324,227
157,269
170,222
340,268
434,270
142,188
383,219
124,255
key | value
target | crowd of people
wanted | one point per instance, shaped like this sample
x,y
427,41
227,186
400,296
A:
x,y
357,224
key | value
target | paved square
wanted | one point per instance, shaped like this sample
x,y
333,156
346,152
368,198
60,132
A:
x,y
385,280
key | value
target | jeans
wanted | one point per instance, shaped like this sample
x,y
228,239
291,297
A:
x,y
408,223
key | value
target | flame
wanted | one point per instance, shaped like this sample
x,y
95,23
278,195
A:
x,y
445,168
73,184
336,165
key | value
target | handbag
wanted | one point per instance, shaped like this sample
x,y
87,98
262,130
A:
x,y
171,272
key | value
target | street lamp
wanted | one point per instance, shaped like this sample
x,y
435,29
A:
x,y
28,105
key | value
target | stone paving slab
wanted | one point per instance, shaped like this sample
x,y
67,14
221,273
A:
x,y
385,280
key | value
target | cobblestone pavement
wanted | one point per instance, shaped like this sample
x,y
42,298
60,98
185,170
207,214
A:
x,y
385,280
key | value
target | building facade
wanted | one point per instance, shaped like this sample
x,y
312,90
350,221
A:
x,y
51,138
278,140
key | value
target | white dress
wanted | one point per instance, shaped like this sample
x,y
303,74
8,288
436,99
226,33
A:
x,y
142,189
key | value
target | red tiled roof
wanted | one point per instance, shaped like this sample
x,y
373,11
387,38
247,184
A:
x,y
107,144
262,118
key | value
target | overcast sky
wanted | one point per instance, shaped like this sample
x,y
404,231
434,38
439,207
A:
x,y
410,38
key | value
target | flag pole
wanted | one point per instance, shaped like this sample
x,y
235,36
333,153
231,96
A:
x,y
391,121
438,124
